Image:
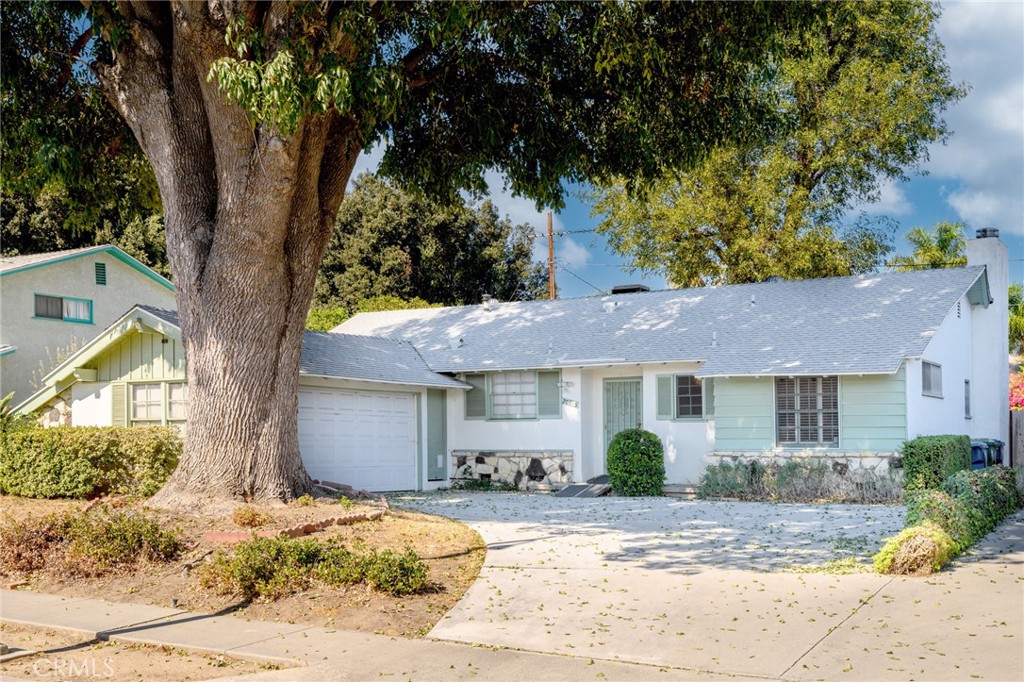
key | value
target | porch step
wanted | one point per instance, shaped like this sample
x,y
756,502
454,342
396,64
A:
x,y
683,491
584,490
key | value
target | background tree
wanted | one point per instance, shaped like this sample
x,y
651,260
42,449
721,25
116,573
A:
x,y
1016,303
253,114
71,172
864,93
944,247
388,242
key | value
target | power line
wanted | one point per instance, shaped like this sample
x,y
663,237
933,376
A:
x,y
565,269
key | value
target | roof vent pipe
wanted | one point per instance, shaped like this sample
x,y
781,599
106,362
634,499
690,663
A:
x,y
714,339
455,344
609,306
487,301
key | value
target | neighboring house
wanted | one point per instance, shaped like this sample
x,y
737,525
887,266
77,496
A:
x,y
371,413
52,303
841,370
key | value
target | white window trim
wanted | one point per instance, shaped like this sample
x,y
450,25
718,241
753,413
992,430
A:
x,y
165,402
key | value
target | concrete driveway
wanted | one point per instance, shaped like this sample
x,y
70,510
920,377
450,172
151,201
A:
x,y
709,586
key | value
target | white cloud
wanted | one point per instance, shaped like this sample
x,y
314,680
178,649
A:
x,y
571,254
892,201
985,47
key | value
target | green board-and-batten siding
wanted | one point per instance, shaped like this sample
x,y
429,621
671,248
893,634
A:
x,y
873,412
142,357
744,413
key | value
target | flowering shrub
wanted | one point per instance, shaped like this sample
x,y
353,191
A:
x,y
1017,391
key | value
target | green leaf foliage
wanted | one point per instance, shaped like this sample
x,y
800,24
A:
x,y
920,549
636,463
944,247
65,153
863,91
393,243
1015,300
929,460
79,462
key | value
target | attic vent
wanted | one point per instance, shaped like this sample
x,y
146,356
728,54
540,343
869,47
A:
x,y
609,306
455,344
958,310
101,274
629,289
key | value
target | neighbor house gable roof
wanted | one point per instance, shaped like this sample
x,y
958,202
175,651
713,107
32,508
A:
x,y
10,265
846,325
335,356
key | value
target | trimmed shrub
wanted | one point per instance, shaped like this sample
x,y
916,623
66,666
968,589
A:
x,y
944,511
929,460
271,568
636,463
250,517
917,550
80,462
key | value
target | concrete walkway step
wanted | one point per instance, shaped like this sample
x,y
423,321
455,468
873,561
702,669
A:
x,y
684,491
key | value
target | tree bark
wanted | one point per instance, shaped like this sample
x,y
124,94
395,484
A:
x,y
248,213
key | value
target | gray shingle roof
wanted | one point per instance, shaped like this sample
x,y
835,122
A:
x,y
362,358
845,325
15,262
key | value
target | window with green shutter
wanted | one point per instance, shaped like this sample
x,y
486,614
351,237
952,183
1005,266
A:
x,y
476,397
119,405
665,397
549,395
684,396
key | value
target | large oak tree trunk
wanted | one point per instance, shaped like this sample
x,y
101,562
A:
x,y
248,212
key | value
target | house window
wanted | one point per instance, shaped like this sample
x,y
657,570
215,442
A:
x,y
807,411
514,395
931,379
177,402
689,397
101,274
967,398
63,308
147,404
684,396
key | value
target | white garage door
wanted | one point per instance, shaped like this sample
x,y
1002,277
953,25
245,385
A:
x,y
365,440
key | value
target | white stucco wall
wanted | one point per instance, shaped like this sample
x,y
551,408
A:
x,y
73,278
519,434
91,404
950,347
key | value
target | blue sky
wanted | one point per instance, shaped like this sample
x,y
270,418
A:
x,y
977,177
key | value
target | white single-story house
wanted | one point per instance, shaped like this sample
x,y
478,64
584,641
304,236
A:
x,y
842,370
53,303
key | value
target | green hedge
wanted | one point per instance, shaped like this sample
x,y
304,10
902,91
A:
x,y
79,462
928,461
636,463
970,505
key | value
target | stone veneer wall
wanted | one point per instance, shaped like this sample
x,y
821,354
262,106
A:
x,y
525,469
855,465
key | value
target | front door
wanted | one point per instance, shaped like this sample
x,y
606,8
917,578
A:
x,y
623,407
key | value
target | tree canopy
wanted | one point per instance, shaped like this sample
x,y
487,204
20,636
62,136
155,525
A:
x,y
864,91
252,115
944,247
390,242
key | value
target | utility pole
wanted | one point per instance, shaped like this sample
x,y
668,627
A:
x,y
551,259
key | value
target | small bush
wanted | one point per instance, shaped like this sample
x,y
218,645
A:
x,y
96,543
397,574
636,463
270,568
917,550
250,517
26,545
944,511
304,501
79,462
929,460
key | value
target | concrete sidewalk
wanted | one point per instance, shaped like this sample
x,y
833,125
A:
x,y
322,654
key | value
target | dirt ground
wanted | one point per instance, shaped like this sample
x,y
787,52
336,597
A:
x,y
66,656
452,551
